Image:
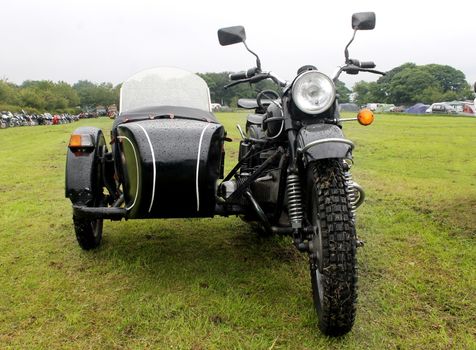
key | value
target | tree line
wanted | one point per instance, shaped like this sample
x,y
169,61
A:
x,y
410,83
403,85
37,96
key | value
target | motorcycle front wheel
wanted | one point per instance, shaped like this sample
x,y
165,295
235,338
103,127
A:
x,y
333,263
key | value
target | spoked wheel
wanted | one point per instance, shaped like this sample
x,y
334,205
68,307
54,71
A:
x,y
88,232
333,261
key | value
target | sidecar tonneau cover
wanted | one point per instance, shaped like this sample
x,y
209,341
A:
x,y
164,111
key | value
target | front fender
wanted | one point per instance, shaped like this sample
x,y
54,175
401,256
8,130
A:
x,y
322,141
83,173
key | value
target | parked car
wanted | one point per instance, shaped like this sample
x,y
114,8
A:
x,y
216,107
441,108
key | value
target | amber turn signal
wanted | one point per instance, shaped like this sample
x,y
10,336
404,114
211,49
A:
x,y
80,141
75,141
365,117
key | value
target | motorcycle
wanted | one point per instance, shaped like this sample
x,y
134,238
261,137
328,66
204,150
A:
x,y
292,177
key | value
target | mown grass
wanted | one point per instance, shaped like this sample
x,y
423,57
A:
x,y
213,284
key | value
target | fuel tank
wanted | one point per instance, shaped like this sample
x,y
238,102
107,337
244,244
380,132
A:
x,y
169,167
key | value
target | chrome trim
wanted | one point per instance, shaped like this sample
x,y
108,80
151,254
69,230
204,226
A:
x,y
358,202
198,166
137,171
348,119
153,166
319,109
279,133
322,141
241,131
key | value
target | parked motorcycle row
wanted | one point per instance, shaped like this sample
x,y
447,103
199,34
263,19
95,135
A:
x,y
10,120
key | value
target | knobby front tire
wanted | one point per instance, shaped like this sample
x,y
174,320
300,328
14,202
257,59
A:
x,y
334,270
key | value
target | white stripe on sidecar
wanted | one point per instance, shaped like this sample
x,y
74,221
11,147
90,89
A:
x,y
153,166
198,165
137,171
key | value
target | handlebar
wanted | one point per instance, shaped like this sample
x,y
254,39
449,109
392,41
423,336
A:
x,y
244,75
354,67
367,64
256,77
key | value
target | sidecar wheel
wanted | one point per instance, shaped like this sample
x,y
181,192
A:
x,y
88,232
333,267
85,187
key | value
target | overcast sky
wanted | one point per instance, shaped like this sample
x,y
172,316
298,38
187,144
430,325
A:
x,y
111,40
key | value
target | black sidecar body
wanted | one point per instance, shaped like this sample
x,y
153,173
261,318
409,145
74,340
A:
x,y
165,159
168,165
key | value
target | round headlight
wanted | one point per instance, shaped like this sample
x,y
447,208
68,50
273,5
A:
x,y
313,92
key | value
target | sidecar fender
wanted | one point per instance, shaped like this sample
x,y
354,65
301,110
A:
x,y
322,141
82,168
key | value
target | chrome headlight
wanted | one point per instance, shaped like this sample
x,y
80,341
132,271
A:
x,y
313,92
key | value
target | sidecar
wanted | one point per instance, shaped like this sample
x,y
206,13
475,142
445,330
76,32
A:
x,y
166,155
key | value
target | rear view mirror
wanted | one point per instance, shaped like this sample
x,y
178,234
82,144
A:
x,y
231,35
363,21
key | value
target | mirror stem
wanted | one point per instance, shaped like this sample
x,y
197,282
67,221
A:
x,y
346,51
258,62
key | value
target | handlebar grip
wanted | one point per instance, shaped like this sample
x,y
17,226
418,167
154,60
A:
x,y
258,77
368,64
244,75
237,76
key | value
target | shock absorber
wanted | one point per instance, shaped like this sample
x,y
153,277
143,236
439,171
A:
x,y
293,189
356,196
351,192
355,192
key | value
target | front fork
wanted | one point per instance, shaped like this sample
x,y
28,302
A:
x,y
303,235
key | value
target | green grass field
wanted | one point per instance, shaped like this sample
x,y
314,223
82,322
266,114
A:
x,y
213,284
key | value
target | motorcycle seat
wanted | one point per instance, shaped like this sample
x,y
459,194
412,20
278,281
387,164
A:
x,y
256,119
247,103
251,103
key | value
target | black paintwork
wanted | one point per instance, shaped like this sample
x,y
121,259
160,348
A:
x,y
231,35
157,112
256,119
247,103
327,150
99,212
363,21
175,143
82,169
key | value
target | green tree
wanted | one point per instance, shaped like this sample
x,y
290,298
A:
x,y
30,97
8,93
92,95
430,94
406,85
367,92
449,78
409,83
343,91
66,91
